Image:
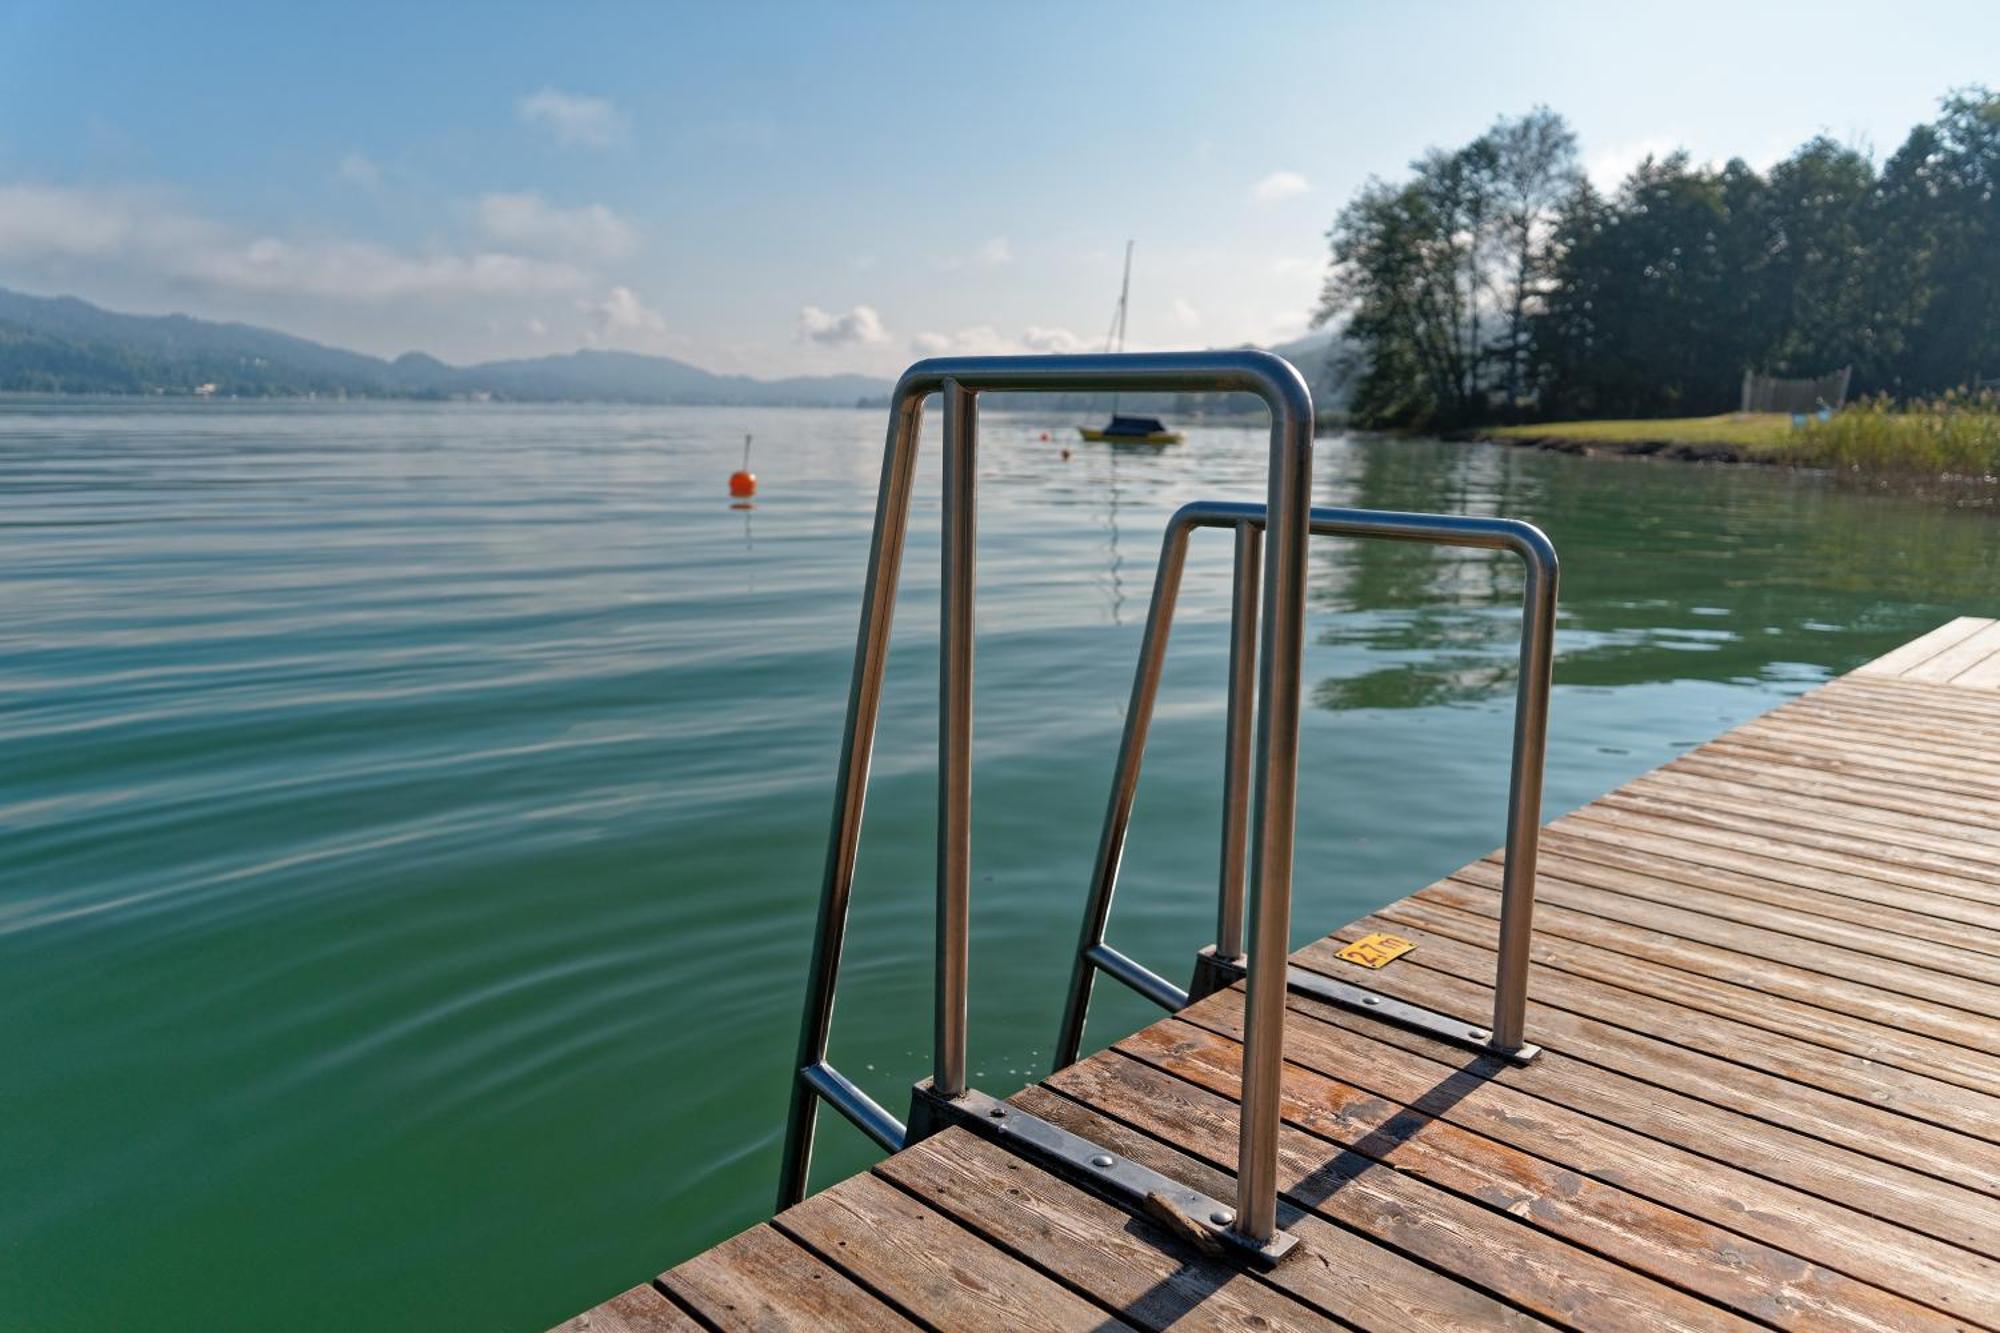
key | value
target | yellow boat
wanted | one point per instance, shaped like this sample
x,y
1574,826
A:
x,y
1132,430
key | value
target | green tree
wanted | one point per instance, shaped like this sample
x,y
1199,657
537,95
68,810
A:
x,y
1437,277
1534,170
1942,206
1817,250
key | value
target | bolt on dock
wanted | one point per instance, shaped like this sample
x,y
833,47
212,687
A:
x,y
1765,981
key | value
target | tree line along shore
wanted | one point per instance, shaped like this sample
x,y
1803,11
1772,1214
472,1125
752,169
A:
x,y
1497,292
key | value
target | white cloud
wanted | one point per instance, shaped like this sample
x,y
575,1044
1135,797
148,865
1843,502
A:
x,y
977,340
358,170
1278,186
859,325
357,271
985,340
1608,167
620,314
529,222
149,235
1185,314
573,119
1052,340
991,254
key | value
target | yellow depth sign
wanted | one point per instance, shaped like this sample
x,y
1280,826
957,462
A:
x,y
1377,950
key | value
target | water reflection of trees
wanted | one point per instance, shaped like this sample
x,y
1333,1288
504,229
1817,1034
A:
x,y
1670,572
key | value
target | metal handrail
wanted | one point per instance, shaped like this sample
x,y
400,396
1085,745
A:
x,y
1252,1224
1218,965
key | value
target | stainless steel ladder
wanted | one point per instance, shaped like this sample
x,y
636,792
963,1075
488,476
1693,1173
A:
x,y
1259,813
1223,962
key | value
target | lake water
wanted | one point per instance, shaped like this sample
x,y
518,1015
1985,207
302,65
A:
x,y
414,814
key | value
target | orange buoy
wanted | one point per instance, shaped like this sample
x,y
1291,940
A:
x,y
743,482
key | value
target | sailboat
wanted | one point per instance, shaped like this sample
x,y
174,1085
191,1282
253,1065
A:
x,y
1127,429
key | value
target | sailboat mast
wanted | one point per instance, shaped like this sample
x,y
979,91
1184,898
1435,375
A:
x,y
1124,296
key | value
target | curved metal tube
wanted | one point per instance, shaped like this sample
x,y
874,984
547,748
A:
x,y
1524,798
1278,384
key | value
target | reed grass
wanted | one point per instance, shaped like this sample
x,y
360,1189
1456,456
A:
x,y
1755,432
1956,434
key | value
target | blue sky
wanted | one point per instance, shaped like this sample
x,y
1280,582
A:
x,y
790,187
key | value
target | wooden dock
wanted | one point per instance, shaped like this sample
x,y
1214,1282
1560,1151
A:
x,y
1767,982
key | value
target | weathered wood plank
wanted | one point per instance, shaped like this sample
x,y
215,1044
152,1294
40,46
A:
x,y
928,1265
1983,675
1897,705
1856,842
1941,973
1709,841
1893,940
1915,777
1611,1018
641,1310
1944,668
1477,1241
1646,981
1919,725
1641,1201
1865,799
1920,650
1655,849
1919,832
1576,850
1907,691
1358,1280
759,1280
1765,973
1966,761
1877,1185
1125,1263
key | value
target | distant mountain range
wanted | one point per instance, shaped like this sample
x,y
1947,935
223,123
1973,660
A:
x,y
64,345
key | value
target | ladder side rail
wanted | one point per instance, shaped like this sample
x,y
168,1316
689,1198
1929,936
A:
x,y
1279,385
1531,723
1524,784
958,525
850,792
1124,781
1222,964
1236,741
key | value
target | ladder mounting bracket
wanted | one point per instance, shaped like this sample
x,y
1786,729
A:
x,y
1203,1221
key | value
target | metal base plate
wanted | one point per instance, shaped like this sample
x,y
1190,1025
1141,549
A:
x,y
1213,972
1204,1221
1386,1007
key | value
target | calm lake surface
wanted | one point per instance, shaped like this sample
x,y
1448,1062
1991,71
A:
x,y
413,814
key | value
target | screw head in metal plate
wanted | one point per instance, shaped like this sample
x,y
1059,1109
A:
x,y
1479,1034
1371,999
1104,1161
998,1113
1222,1217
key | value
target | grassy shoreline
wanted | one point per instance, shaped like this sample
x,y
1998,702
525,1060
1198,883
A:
x,y
1735,437
1953,437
